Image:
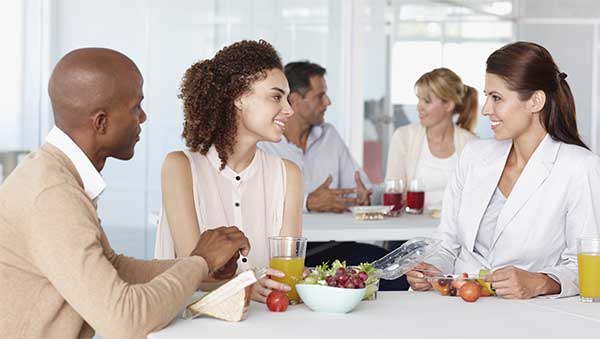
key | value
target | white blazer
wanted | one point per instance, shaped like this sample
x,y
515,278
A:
x,y
555,200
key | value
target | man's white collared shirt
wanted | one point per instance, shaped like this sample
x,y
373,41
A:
x,y
93,183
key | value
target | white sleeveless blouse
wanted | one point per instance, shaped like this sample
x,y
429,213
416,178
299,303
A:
x,y
252,200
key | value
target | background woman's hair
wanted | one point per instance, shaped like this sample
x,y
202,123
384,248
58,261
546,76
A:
x,y
448,86
210,87
527,67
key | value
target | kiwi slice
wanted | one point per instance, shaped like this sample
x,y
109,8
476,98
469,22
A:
x,y
481,280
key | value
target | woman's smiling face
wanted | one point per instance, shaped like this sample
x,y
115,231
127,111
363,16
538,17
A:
x,y
510,116
264,110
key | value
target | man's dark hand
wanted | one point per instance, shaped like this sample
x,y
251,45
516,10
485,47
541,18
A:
x,y
227,271
220,247
325,199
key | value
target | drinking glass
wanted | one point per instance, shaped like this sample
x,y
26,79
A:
x,y
287,256
392,195
415,197
588,262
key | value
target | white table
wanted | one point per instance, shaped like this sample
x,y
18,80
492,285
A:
x,y
343,227
408,315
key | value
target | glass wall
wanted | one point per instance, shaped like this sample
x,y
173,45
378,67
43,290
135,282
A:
x,y
374,50
164,39
12,120
421,36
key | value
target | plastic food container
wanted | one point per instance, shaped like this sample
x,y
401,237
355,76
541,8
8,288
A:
x,y
405,257
370,212
450,284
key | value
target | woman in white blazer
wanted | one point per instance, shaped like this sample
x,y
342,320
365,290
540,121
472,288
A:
x,y
429,149
517,204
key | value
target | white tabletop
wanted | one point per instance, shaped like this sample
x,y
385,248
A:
x,y
408,315
343,227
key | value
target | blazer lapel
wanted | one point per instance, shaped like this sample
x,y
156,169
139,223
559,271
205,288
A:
x,y
534,174
487,175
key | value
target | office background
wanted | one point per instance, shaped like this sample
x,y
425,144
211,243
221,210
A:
x,y
374,50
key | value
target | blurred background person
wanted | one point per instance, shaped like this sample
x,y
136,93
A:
x,y
429,149
333,180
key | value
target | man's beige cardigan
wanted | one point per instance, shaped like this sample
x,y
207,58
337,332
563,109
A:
x,y
59,277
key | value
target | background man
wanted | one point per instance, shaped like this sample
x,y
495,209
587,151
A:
x,y
331,175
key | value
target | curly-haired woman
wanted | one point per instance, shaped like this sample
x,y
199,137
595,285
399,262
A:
x,y
231,102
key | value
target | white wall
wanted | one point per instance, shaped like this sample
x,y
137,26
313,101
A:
x,y
570,31
164,38
11,62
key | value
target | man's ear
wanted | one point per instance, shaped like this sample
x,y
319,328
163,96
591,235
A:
x,y
537,101
100,121
294,98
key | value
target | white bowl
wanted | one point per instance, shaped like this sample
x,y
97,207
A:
x,y
321,298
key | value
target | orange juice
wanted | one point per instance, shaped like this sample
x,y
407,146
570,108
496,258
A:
x,y
293,267
589,274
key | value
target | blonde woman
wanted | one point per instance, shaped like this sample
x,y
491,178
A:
x,y
429,149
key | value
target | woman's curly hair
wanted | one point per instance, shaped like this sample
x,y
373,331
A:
x,y
210,87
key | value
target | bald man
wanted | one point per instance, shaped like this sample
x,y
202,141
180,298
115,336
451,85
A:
x,y
59,277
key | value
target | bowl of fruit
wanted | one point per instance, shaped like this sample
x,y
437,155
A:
x,y
337,289
469,287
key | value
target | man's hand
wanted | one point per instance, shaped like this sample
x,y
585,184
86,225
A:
x,y
221,247
363,195
228,270
514,283
325,199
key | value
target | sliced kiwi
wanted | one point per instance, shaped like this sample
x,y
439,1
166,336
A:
x,y
485,284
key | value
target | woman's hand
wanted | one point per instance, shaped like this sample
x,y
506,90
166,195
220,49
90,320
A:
x,y
263,287
416,277
514,283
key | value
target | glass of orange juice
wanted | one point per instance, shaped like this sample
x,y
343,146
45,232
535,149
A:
x,y
287,256
588,262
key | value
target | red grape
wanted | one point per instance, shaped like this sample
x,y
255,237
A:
x,y
341,279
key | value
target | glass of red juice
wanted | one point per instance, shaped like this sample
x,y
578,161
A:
x,y
415,197
392,195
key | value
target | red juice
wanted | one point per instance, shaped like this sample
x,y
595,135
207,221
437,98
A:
x,y
415,202
393,199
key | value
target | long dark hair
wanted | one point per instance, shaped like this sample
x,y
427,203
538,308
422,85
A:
x,y
528,67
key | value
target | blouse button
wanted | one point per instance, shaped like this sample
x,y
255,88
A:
x,y
238,178
237,204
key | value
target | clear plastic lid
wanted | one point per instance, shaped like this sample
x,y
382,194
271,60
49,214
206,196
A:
x,y
405,257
